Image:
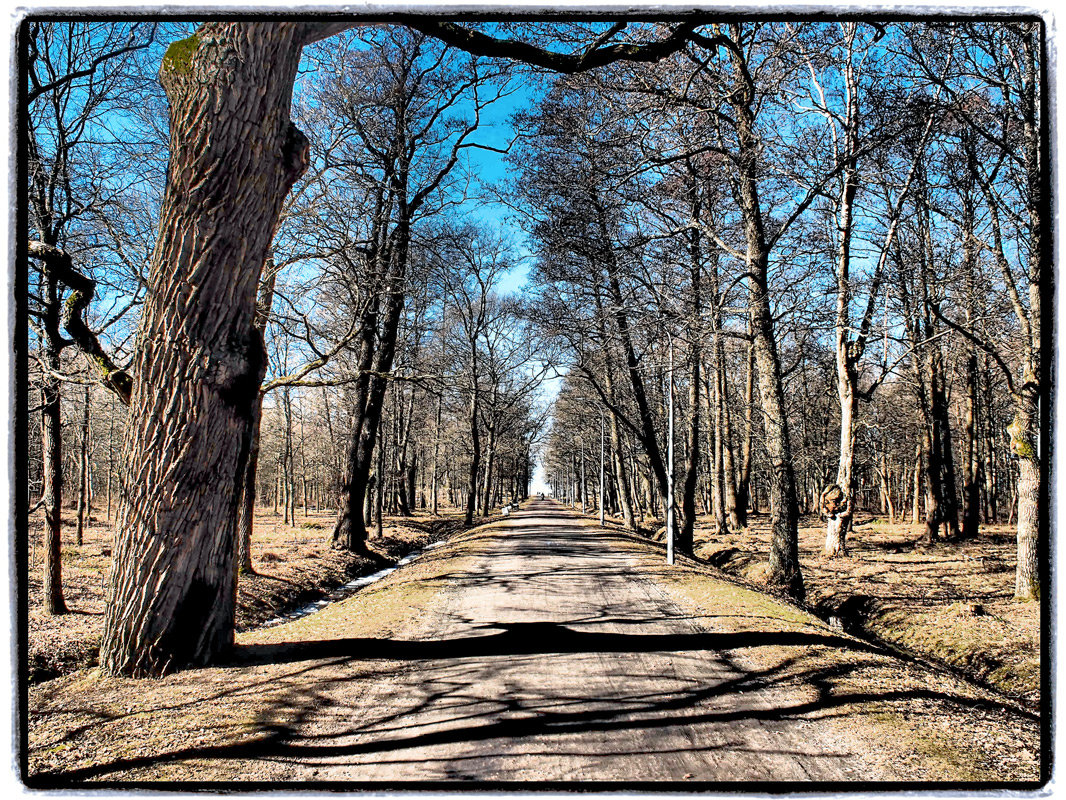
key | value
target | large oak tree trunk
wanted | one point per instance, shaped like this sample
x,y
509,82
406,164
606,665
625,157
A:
x,y
234,155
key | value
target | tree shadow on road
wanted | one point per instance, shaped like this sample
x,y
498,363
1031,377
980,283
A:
x,y
439,707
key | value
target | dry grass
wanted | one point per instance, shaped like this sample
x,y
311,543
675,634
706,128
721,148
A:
x,y
294,565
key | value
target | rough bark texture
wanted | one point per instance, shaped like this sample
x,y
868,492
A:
x,y
234,154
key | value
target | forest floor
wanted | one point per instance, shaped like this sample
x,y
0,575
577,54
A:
x,y
541,647
949,602
294,565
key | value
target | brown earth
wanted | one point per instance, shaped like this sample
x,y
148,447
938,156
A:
x,y
294,565
541,647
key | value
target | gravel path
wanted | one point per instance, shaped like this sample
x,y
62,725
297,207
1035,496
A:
x,y
552,657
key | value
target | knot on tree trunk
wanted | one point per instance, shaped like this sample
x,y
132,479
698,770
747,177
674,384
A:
x,y
834,502
238,373
1021,444
295,153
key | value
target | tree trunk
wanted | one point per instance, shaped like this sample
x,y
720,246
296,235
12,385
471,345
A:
x,y
646,431
971,471
490,464
475,460
52,492
886,491
847,352
625,493
718,479
83,472
436,455
784,573
288,470
379,488
685,535
729,485
110,456
917,486
376,359
584,486
744,479
839,515
234,154
246,509
1025,432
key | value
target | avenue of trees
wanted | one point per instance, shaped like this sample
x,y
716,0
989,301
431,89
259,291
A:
x,y
258,276
818,261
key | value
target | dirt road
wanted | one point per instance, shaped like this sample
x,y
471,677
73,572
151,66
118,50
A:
x,y
544,648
